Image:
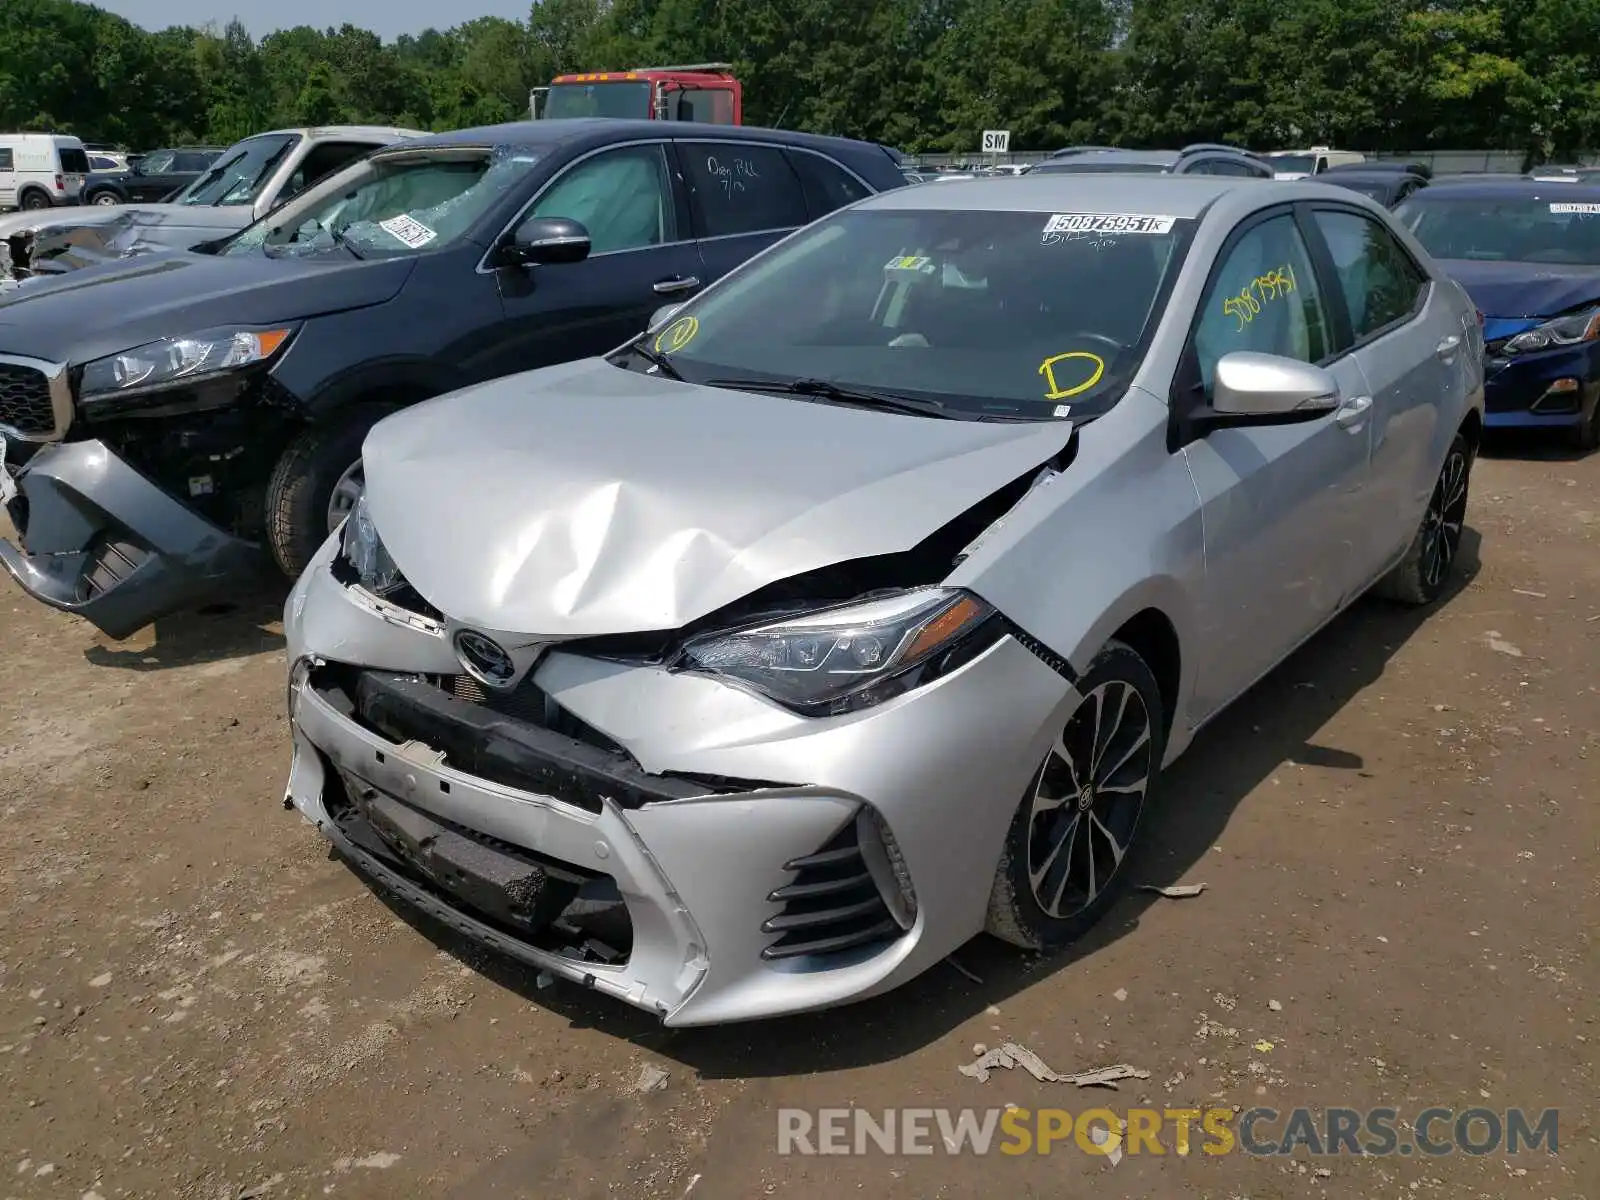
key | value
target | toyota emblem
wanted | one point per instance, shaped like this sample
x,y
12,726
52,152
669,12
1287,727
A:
x,y
485,659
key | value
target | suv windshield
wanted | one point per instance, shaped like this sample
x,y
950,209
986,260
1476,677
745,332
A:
x,y
1506,228
239,172
625,99
391,205
1299,164
1021,314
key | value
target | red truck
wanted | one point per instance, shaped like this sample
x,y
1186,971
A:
x,y
705,92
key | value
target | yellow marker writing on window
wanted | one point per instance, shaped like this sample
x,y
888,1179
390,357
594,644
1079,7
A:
x,y
1048,369
677,335
1275,284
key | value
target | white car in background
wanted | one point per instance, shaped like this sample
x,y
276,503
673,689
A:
x,y
41,170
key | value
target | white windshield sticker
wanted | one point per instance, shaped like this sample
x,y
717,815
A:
x,y
412,233
1109,223
1575,208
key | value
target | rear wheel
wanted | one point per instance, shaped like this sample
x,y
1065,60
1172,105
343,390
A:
x,y
1064,859
315,484
1423,574
33,200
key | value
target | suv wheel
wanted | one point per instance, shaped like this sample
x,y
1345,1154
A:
x,y
105,197
315,484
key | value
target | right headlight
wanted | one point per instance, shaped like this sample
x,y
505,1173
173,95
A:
x,y
837,660
365,552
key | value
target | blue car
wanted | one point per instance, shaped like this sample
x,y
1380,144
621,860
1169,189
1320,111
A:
x,y
1528,253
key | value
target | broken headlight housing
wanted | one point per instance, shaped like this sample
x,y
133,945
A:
x,y
365,552
175,361
836,660
1580,326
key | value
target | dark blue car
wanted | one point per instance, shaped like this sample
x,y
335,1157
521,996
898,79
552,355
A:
x,y
1529,255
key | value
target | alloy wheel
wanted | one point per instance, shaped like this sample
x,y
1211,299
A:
x,y
1441,524
1088,797
105,199
347,491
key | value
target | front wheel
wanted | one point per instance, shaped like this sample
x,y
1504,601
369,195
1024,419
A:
x,y
1065,855
1423,574
315,484
104,199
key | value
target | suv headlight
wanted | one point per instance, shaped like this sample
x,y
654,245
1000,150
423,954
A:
x,y
177,360
837,660
1575,327
364,550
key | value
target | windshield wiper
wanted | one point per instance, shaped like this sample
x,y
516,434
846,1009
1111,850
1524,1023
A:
x,y
823,390
656,359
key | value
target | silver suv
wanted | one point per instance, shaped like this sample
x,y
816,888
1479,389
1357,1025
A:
x,y
1202,158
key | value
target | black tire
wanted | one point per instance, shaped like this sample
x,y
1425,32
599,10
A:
x,y
301,486
103,196
1422,576
1586,437
33,200
1105,814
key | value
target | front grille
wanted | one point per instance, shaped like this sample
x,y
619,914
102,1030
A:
x,y
832,904
25,400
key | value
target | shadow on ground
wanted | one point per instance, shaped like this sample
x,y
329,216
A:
x,y
1532,445
211,634
1276,722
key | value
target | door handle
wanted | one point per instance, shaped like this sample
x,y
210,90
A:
x,y
677,283
1352,410
1447,348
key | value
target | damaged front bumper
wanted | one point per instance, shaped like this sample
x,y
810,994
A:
x,y
101,540
676,843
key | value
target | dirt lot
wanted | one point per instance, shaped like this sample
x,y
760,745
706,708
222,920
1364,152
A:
x,y
1397,830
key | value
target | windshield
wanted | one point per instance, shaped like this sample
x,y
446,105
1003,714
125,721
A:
x,y
1301,164
1506,228
239,173
1021,314
1113,167
391,205
623,99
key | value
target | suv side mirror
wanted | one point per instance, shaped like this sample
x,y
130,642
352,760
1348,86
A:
x,y
1269,389
546,241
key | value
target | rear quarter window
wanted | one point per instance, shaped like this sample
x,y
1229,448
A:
x,y
74,161
825,184
7,163
742,188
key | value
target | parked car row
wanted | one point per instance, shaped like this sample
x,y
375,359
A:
x,y
151,177
725,577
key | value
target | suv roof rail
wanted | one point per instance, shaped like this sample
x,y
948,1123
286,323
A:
x,y
1213,147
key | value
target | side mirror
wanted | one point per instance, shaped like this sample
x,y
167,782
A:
x,y
546,241
1267,389
662,315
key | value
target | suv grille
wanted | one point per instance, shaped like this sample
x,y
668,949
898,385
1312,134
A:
x,y
25,400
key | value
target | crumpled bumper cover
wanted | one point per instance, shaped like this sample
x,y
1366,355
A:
x,y
100,540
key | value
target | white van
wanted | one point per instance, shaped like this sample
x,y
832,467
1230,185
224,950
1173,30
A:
x,y
1297,164
40,170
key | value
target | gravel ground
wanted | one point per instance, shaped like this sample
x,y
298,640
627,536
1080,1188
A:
x,y
1397,832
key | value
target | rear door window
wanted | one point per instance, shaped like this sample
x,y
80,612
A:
x,y
825,184
742,187
1381,284
74,161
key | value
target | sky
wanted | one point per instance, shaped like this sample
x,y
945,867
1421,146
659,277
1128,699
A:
x,y
387,18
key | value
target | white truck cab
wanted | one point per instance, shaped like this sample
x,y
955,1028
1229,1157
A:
x,y
41,170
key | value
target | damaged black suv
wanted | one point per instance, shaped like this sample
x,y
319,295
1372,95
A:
x,y
170,415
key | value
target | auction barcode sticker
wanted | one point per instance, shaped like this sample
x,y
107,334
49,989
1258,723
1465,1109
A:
x,y
1569,207
408,231
1109,223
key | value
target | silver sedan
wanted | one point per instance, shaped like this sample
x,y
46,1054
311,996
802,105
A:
x,y
856,607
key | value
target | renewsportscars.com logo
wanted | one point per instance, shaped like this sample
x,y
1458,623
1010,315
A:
x,y
1158,1131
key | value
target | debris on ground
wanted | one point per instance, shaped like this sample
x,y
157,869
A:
x,y
1499,645
651,1079
1263,1045
1099,1135
1274,1006
952,961
1121,993
1011,1055
1174,891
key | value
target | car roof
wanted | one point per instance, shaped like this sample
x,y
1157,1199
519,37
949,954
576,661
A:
x,y
1514,188
605,130
333,131
1186,196
1164,158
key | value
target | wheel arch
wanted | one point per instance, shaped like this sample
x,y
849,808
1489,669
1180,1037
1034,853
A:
x,y
1151,635
33,189
1471,430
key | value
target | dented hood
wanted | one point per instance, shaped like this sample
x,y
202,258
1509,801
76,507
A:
x,y
585,499
176,225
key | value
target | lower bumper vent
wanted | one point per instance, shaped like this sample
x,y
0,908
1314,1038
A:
x,y
832,904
